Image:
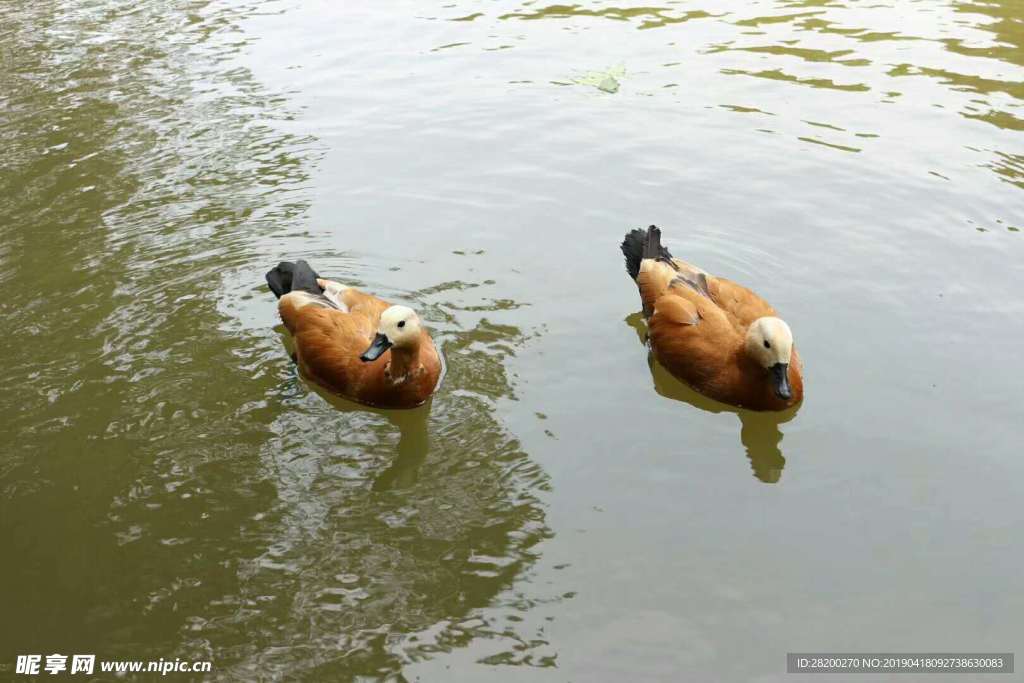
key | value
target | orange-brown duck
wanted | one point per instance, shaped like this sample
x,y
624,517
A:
x,y
355,344
717,336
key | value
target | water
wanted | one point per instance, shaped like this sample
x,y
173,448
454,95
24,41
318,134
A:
x,y
562,510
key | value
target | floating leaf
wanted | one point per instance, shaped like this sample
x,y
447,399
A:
x,y
606,81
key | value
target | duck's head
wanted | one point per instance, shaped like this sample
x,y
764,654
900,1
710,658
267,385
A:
x,y
770,343
399,327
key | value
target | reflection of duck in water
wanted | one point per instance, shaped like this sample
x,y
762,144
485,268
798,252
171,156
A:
x,y
759,431
353,343
403,520
413,439
719,337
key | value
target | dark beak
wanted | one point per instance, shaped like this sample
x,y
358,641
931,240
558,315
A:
x,y
379,346
780,380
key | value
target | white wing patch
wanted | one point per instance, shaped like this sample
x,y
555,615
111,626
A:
x,y
333,293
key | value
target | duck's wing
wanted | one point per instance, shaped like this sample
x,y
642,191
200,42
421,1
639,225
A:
x,y
658,276
690,335
655,279
296,305
691,276
351,300
673,309
328,344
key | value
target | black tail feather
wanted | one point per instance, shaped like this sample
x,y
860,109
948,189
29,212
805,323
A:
x,y
640,244
287,277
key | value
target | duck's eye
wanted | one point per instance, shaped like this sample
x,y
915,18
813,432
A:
x,y
402,324
767,345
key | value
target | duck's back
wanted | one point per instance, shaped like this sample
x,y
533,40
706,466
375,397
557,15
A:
x,y
741,305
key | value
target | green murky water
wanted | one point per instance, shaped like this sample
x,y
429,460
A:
x,y
561,510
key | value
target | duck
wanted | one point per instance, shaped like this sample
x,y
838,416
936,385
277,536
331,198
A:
x,y
715,335
354,344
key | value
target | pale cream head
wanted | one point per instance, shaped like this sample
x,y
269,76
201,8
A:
x,y
400,325
769,342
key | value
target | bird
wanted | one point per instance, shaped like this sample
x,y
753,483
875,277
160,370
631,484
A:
x,y
717,336
355,344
